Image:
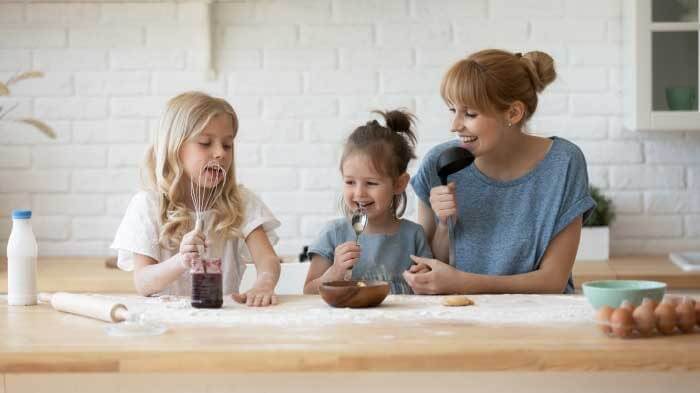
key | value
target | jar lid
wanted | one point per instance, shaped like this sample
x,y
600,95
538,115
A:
x,y
18,213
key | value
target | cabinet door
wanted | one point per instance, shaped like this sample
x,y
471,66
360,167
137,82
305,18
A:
x,y
661,64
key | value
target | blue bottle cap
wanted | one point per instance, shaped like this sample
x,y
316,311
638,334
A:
x,y
22,214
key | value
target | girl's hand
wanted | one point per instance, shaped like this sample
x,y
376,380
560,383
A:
x,y
346,256
430,276
261,294
444,202
192,243
419,268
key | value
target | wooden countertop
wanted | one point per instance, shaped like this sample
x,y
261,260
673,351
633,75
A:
x,y
89,274
38,339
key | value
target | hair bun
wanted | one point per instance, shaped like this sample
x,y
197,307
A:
x,y
398,120
541,69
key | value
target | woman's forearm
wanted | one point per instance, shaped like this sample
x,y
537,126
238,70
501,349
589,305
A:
x,y
538,281
440,243
152,279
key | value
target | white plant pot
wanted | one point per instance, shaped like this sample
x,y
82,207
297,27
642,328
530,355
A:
x,y
594,245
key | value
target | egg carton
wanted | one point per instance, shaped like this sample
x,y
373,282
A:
x,y
671,316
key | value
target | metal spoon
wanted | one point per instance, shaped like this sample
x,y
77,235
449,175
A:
x,y
358,220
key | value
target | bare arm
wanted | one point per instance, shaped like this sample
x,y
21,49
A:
x,y
438,236
267,265
151,277
323,270
319,271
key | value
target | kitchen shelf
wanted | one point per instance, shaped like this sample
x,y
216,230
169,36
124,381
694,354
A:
x,y
660,65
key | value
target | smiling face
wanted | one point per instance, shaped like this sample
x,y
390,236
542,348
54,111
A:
x,y
364,186
204,155
478,131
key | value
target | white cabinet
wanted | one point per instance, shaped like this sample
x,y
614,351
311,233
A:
x,y
660,60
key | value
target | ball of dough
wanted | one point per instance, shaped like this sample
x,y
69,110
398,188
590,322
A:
x,y
457,301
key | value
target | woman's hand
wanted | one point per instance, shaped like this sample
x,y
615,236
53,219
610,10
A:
x,y
190,247
261,294
346,256
431,277
444,202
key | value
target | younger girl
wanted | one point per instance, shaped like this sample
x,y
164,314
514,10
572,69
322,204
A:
x,y
156,238
373,166
518,209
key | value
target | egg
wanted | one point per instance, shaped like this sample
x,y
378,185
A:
x,y
627,304
665,318
603,318
622,322
644,318
672,300
685,312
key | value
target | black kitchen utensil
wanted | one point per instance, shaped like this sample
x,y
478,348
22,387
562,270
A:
x,y
453,160
450,161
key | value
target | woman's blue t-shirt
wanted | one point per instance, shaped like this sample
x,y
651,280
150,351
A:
x,y
504,227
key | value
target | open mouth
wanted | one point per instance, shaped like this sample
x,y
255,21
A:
x,y
213,172
468,138
364,205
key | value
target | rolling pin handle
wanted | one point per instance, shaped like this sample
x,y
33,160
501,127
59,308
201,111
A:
x,y
44,297
120,314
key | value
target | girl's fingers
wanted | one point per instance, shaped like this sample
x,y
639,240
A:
x,y
350,263
350,255
188,248
239,297
259,300
273,299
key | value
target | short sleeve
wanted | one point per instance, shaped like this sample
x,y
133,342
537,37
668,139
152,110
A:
x,y
138,231
257,214
426,176
577,200
325,243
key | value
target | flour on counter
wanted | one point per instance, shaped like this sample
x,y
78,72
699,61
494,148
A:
x,y
549,310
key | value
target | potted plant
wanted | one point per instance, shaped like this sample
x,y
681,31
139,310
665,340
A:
x,y
595,235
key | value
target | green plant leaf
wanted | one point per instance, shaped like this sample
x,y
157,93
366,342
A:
x,y
40,125
604,212
25,75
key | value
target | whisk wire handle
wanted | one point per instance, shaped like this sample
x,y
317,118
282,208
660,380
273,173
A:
x,y
203,194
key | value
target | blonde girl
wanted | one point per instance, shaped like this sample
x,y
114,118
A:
x,y
156,238
373,167
518,210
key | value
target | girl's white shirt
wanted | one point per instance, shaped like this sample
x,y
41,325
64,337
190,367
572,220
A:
x,y
140,228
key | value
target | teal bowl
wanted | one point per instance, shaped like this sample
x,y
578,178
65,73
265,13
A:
x,y
614,292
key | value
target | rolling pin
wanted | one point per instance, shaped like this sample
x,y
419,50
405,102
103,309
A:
x,y
87,306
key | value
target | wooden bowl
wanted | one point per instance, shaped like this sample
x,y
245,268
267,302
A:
x,y
354,294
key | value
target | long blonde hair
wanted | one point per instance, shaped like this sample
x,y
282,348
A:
x,y
185,116
491,80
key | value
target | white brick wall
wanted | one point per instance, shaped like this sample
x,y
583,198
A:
x,y
301,75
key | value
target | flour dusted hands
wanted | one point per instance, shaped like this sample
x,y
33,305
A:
x,y
192,243
261,294
444,202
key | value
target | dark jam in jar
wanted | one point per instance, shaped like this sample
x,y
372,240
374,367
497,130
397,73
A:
x,y
207,289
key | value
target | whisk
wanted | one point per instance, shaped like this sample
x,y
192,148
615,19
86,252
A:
x,y
206,189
